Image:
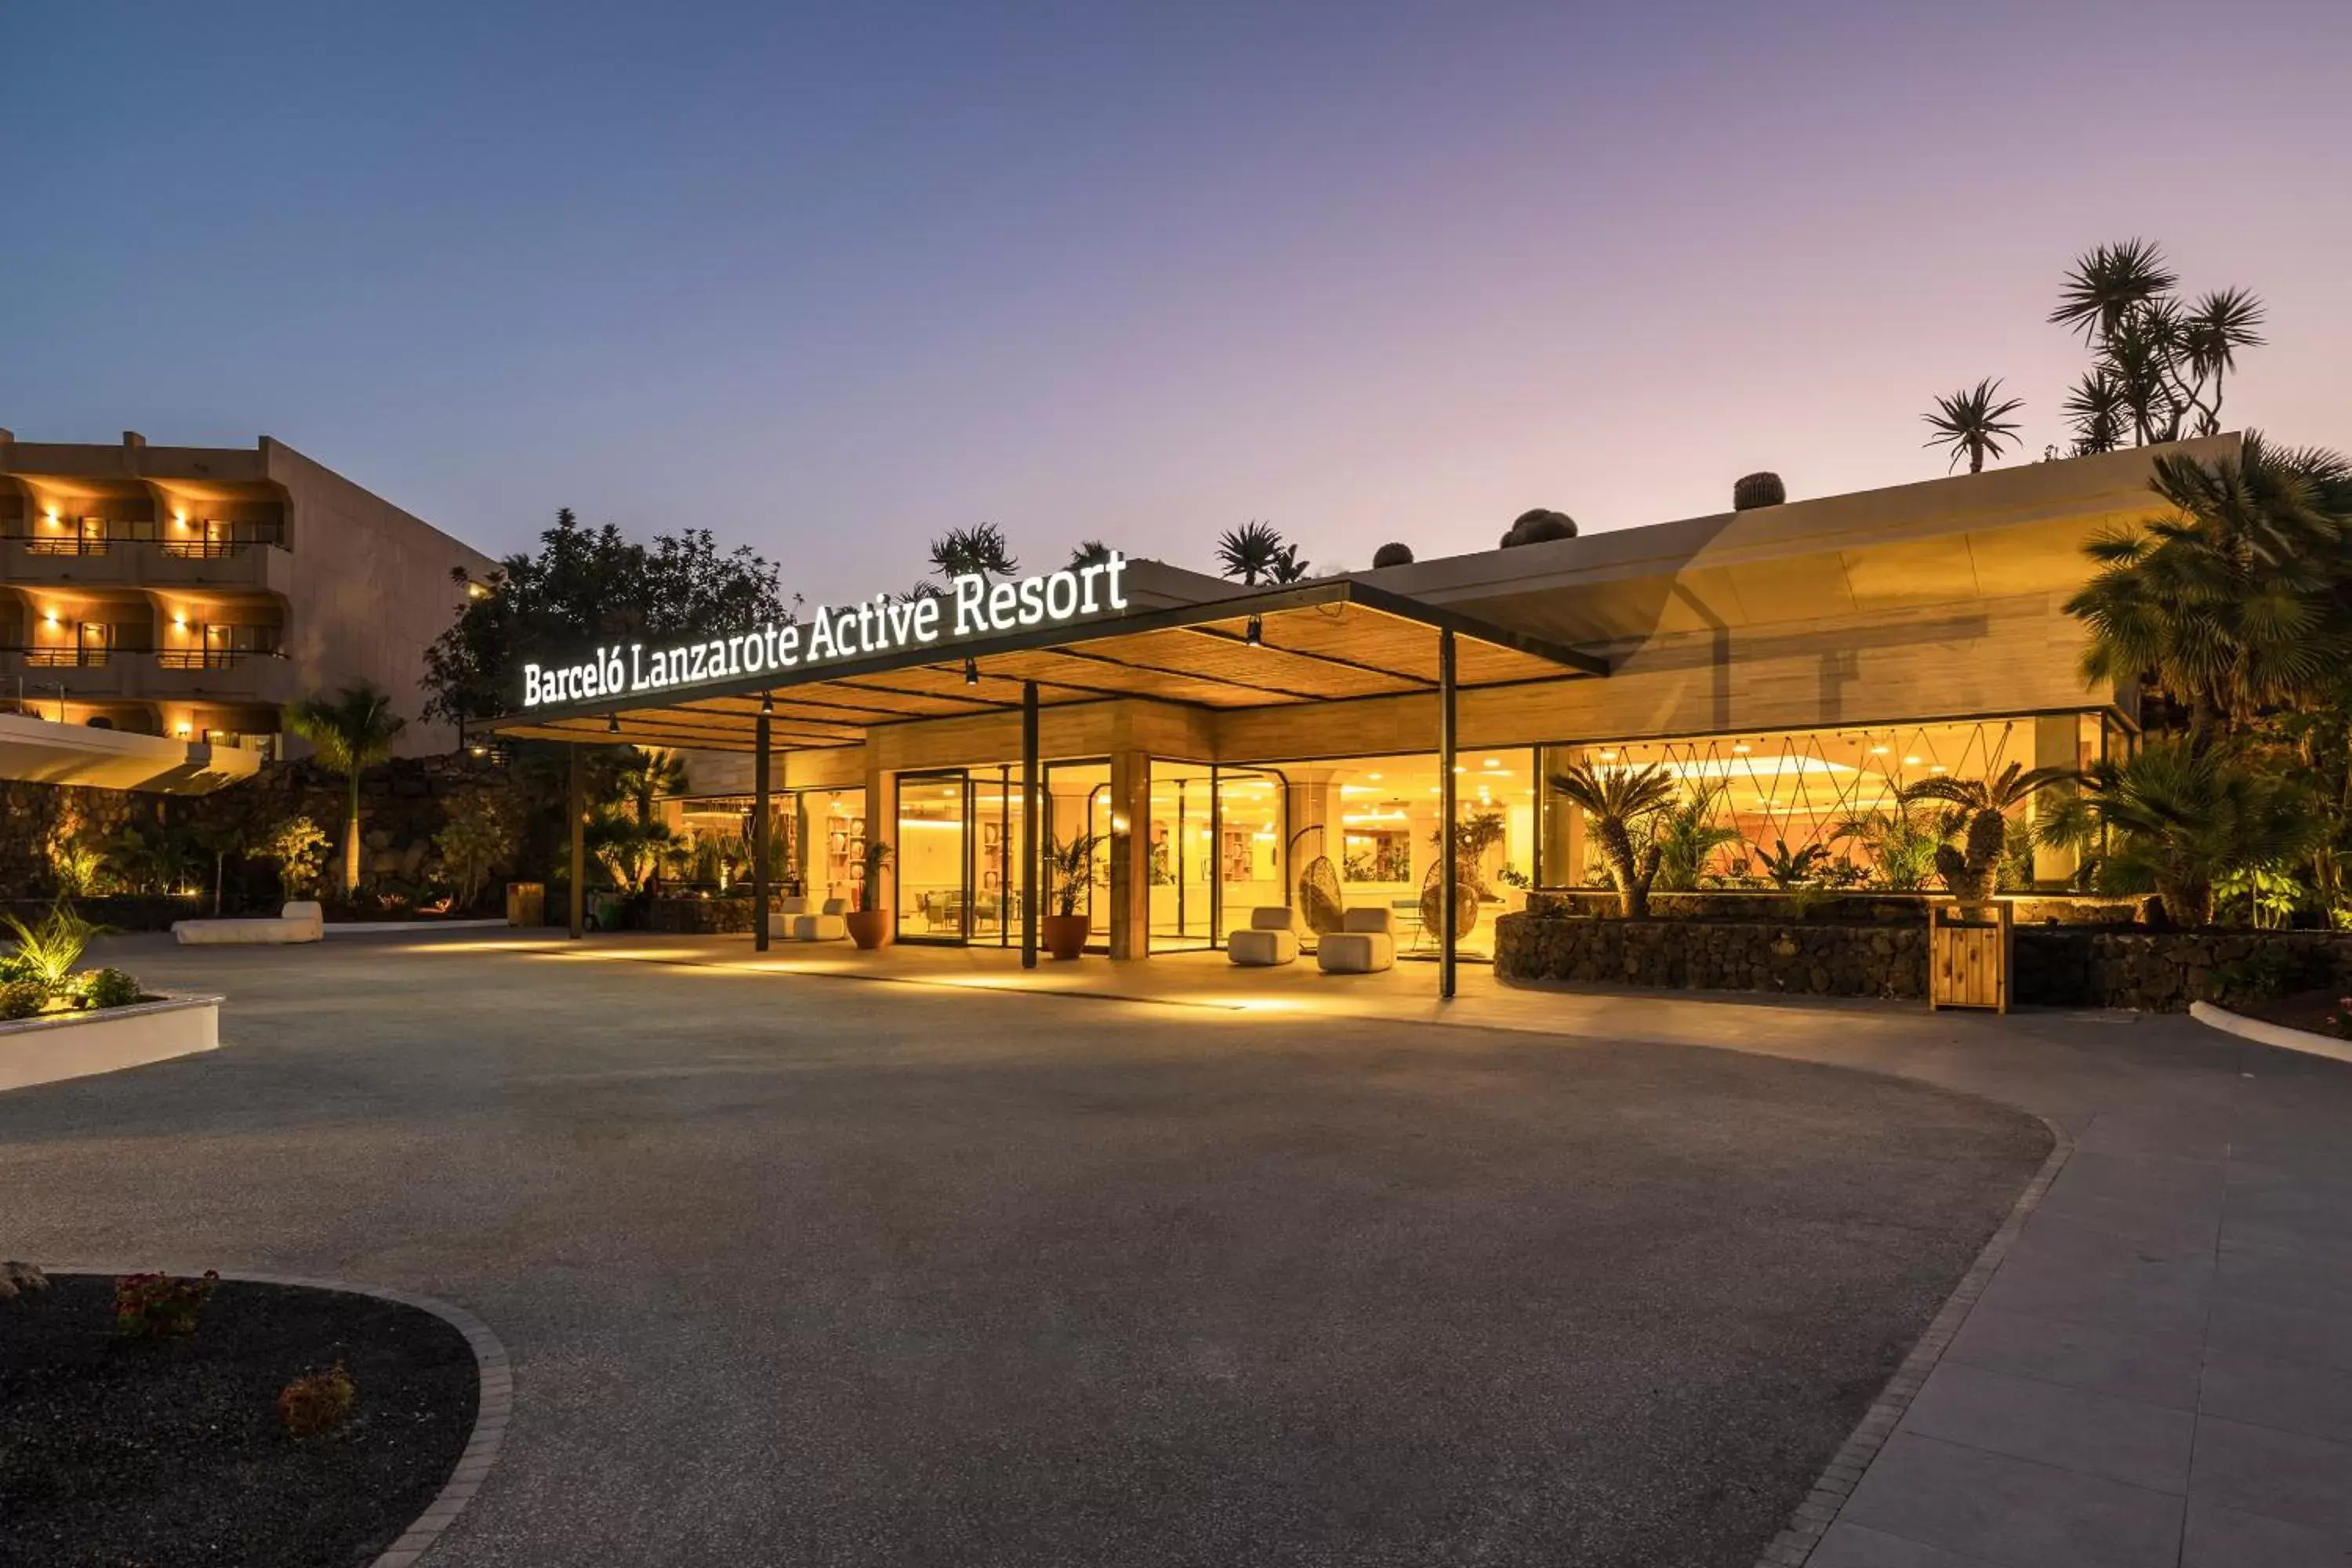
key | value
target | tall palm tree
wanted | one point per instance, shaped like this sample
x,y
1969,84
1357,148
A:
x,y
1251,552
1089,553
647,771
1980,818
2211,334
1623,804
2096,408
2107,286
1973,424
2229,601
981,551
351,732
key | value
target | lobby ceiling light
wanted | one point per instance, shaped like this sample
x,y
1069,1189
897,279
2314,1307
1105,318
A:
x,y
767,704
1255,635
970,670
612,723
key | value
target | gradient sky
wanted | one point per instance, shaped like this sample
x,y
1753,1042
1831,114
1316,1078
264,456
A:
x,y
830,280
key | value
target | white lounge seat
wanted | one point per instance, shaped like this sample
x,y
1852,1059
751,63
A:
x,y
302,920
1365,943
825,925
780,918
1271,938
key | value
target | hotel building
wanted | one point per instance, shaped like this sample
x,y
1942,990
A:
x,y
187,593
1795,666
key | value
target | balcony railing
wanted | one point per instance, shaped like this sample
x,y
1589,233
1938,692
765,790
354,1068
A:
x,y
73,544
210,657
210,548
67,658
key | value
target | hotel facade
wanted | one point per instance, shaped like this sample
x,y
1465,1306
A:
x,y
1794,665
185,594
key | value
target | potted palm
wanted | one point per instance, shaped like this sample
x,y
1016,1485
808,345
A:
x,y
869,927
1069,870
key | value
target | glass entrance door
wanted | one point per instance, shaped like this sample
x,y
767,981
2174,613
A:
x,y
934,858
996,827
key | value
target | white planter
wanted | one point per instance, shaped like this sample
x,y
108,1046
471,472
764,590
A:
x,y
76,1045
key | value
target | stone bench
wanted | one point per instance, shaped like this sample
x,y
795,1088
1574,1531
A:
x,y
300,921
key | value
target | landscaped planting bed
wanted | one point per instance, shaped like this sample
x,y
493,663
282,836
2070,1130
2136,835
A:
x,y
128,1448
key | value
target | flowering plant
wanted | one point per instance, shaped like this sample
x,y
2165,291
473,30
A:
x,y
158,1306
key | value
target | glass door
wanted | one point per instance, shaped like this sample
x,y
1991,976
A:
x,y
996,823
1077,805
934,858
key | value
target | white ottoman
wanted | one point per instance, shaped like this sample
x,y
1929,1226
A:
x,y
1271,938
780,917
1365,943
825,925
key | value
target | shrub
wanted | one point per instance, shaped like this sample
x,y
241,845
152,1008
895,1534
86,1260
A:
x,y
1392,555
109,988
158,1306
46,953
317,1403
22,998
1753,491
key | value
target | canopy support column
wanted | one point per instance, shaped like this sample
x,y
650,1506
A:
x,y
761,830
1028,824
1449,902
575,797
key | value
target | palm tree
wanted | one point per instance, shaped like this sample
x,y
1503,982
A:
x,y
2178,818
647,771
1979,817
981,551
1253,552
2212,336
352,733
2096,408
1089,553
2230,603
2109,285
1973,425
1624,805
1286,567
1688,836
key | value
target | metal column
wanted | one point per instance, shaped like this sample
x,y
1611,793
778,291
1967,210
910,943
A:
x,y
1028,824
575,795
760,832
1449,901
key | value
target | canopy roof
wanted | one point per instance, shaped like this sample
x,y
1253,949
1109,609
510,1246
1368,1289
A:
x,y
1323,642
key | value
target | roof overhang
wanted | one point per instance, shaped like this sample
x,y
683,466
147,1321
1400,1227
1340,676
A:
x,y
1337,641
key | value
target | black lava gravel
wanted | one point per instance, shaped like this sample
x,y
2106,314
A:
x,y
129,1452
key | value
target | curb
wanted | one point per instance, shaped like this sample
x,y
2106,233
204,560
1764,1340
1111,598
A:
x,y
1794,1545
2262,1034
493,1406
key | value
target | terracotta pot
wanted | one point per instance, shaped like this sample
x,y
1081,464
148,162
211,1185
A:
x,y
1065,936
869,929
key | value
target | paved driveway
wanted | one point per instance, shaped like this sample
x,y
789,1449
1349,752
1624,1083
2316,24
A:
x,y
812,1271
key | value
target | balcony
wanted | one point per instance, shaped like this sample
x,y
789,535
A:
x,y
255,563
214,675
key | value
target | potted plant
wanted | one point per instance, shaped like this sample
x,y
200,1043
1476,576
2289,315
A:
x,y
1069,870
869,927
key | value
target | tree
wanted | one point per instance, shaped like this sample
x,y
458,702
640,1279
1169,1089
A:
x,y
1538,525
1688,836
646,772
2233,602
2178,818
585,586
1090,552
1979,818
478,839
2160,365
297,847
634,852
981,551
351,732
1623,806
1254,553
1973,424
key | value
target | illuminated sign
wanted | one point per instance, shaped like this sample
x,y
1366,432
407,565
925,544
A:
x,y
970,607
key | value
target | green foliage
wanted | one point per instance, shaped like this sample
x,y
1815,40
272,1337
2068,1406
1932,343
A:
x,y
159,1306
981,551
644,773
1538,525
1623,806
351,732
1688,836
478,839
1979,820
877,860
2265,896
1973,424
1070,870
22,999
109,988
1089,553
46,953
2176,818
634,852
77,862
151,858
585,586
298,848
1788,869
1900,841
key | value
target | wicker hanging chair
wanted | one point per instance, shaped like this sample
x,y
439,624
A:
x,y
1320,902
1433,909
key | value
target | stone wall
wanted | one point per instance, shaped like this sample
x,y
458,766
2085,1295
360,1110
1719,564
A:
x,y
700,917
1822,907
2056,965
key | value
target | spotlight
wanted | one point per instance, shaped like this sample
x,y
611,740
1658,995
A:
x,y
1256,635
971,672
612,723
767,703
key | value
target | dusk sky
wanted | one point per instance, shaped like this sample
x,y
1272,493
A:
x,y
831,280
